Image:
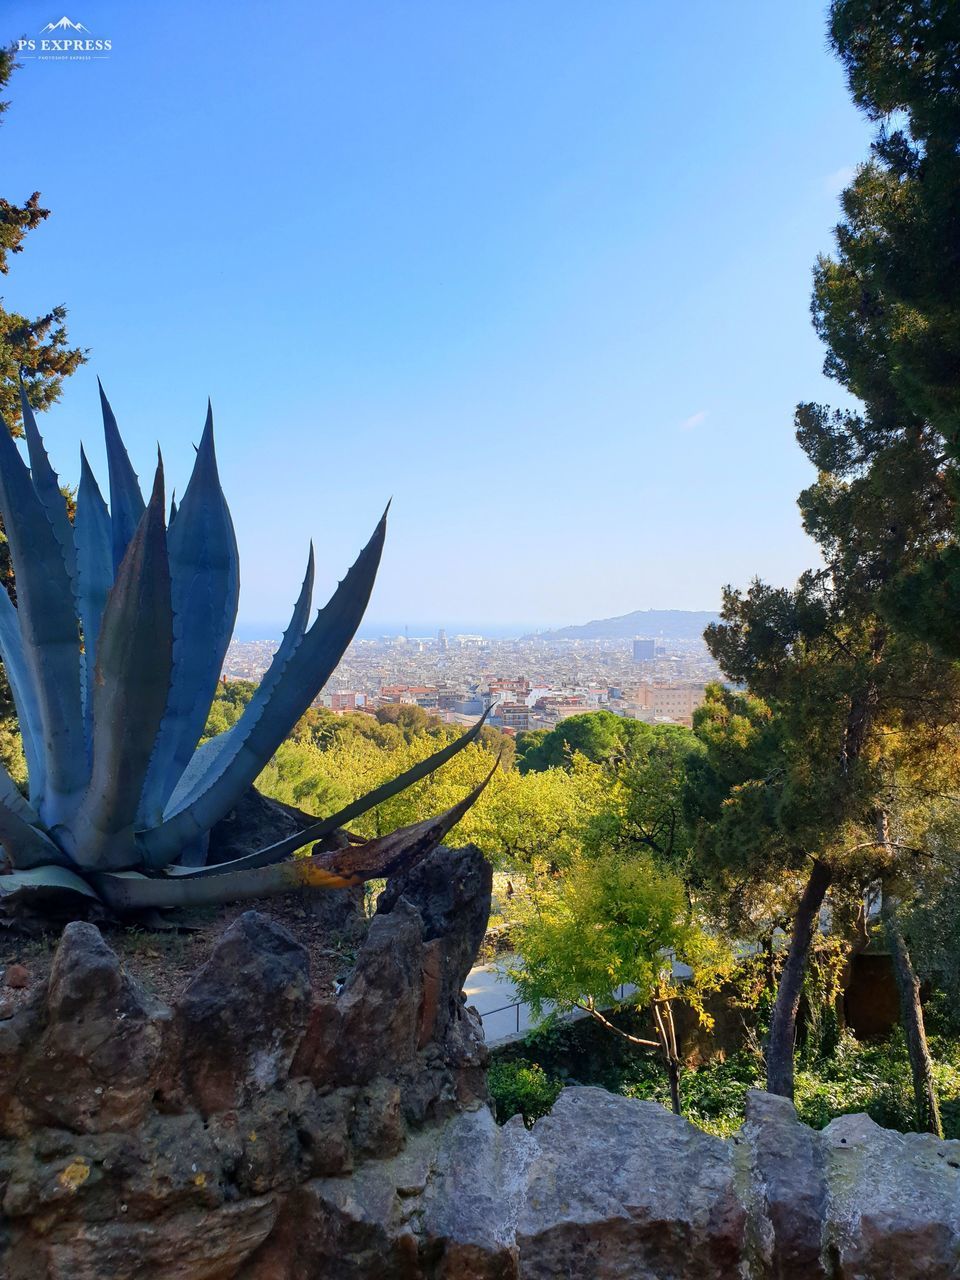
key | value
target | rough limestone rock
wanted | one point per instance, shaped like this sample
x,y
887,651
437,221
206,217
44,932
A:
x,y
260,1130
451,894
788,1188
137,1140
199,1246
241,1019
401,1011
379,1005
97,1062
607,1188
893,1201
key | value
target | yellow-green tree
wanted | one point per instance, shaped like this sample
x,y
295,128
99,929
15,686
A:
x,y
611,920
522,822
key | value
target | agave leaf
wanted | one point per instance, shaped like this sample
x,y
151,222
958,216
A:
x,y
261,731
205,587
339,869
127,891
94,579
46,888
130,691
13,799
126,500
24,843
210,756
24,693
48,627
317,830
47,485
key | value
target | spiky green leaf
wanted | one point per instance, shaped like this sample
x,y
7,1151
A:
x,y
317,830
337,869
126,500
94,538
205,586
131,683
49,630
260,732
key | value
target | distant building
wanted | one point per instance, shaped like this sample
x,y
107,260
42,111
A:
x,y
409,694
346,701
512,715
442,644
644,650
676,702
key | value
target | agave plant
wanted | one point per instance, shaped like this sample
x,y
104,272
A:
x,y
113,653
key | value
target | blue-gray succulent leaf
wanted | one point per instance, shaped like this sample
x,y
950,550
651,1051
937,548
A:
x,y
210,757
126,500
205,586
309,667
94,538
331,869
49,632
25,699
324,826
47,485
23,841
131,685
43,888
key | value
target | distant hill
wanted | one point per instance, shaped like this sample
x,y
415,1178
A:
x,y
671,624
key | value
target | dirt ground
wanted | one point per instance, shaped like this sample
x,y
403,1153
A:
x,y
164,960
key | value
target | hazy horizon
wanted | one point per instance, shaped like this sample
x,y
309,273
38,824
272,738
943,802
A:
x,y
418,629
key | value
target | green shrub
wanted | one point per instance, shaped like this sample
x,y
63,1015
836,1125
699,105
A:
x,y
521,1086
871,1076
875,1077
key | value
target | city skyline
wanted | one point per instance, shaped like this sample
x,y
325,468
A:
x,y
525,287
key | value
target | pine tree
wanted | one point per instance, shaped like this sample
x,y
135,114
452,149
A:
x,y
35,349
863,704
887,302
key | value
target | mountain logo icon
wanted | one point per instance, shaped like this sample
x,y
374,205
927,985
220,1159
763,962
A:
x,y
64,25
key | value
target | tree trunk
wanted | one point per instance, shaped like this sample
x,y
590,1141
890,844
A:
x,y
783,1024
667,1035
911,1015
673,1073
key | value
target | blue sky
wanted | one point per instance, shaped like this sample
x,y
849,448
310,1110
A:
x,y
538,270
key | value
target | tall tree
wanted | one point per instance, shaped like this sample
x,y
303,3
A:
x,y
36,349
887,302
842,660
855,704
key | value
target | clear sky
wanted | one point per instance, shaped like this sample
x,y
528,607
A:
x,y
538,269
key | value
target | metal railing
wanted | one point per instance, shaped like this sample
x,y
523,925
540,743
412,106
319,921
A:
x,y
519,1004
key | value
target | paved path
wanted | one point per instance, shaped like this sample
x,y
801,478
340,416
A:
x,y
487,989
495,998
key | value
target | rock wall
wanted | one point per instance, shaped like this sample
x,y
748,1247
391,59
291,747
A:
x,y
606,1188
261,1130
141,1140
